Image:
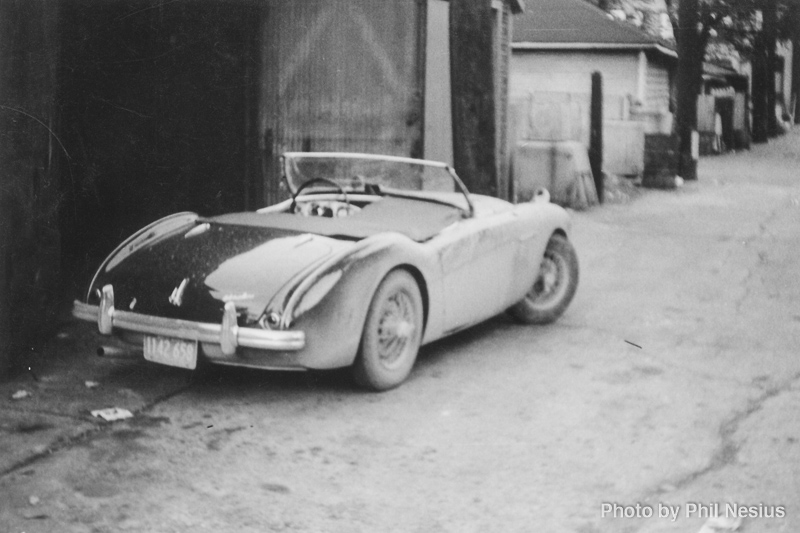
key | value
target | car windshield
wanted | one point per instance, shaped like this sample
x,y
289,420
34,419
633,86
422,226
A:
x,y
376,174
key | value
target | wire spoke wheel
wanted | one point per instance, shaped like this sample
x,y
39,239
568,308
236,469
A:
x,y
392,333
395,328
551,283
554,287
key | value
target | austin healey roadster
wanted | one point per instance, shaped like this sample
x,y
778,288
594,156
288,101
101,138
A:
x,y
370,258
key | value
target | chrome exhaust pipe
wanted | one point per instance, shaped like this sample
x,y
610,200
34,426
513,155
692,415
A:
x,y
115,351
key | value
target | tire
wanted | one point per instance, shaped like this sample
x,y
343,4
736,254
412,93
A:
x,y
392,333
554,287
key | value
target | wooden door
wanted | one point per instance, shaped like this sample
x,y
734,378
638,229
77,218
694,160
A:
x,y
340,75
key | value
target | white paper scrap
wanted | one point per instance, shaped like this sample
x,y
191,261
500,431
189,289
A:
x,y
20,394
112,413
720,524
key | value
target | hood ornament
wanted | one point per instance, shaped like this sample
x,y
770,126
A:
x,y
176,298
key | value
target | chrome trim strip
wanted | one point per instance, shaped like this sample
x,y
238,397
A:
x,y
371,157
85,311
256,366
376,157
190,330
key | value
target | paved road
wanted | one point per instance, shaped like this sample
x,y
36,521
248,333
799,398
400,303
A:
x,y
672,379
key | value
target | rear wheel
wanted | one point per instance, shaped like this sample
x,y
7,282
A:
x,y
392,333
554,287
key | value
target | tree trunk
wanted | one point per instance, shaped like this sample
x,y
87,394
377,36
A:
x,y
795,95
689,56
765,123
759,95
770,37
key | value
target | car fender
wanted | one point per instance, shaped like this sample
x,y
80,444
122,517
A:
x,y
154,230
541,221
333,317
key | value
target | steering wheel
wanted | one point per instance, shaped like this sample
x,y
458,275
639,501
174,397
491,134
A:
x,y
318,180
359,181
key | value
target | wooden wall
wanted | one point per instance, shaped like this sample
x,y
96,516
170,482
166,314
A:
x,y
31,157
341,75
438,107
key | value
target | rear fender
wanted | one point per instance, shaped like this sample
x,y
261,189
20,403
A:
x,y
160,228
330,305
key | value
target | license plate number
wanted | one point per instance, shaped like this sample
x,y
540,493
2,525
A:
x,y
173,352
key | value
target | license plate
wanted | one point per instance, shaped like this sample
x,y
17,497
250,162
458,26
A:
x,y
173,352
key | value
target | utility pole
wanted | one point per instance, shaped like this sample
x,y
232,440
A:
x,y
688,56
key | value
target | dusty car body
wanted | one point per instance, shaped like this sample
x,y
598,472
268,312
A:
x,y
372,257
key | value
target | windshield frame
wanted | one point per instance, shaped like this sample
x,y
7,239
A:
x,y
460,187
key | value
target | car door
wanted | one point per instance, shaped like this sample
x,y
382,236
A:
x,y
478,257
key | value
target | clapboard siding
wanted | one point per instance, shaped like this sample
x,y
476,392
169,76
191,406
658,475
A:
x,y
571,71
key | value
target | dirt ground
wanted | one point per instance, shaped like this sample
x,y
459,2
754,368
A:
x,y
672,380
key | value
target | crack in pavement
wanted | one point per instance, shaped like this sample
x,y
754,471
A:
x,y
727,451
48,413
725,454
96,429
761,257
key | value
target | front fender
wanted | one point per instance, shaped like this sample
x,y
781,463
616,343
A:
x,y
542,220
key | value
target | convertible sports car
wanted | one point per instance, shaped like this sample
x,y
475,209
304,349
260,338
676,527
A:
x,y
370,258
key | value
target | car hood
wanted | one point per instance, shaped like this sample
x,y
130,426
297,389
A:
x,y
191,273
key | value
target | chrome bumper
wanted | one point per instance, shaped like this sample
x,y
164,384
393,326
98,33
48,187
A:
x,y
227,334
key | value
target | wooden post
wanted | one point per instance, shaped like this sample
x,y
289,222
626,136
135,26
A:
x,y
596,133
473,94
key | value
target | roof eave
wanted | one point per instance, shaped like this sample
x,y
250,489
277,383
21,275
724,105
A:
x,y
594,46
666,51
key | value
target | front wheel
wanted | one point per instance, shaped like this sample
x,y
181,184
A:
x,y
392,333
554,286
